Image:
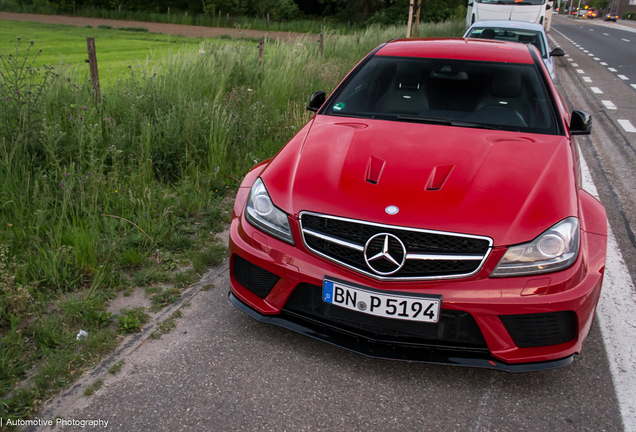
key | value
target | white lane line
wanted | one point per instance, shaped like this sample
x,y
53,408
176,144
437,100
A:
x,y
627,125
567,55
626,40
615,313
591,55
612,70
570,59
591,29
623,77
605,34
581,71
603,64
575,65
597,59
596,90
609,105
585,51
633,85
587,79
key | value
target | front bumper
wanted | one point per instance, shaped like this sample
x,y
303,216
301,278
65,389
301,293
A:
x,y
575,289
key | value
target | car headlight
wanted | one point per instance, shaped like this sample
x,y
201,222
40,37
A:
x,y
264,215
554,250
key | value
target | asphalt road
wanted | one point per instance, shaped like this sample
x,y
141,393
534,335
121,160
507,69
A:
x,y
219,370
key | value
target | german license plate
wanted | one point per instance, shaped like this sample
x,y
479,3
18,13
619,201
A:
x,y
423,309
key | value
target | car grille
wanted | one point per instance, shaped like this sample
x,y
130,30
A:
x,y
456,329
428,254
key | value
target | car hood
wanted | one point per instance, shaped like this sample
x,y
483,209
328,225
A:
x,y
527,13
506,185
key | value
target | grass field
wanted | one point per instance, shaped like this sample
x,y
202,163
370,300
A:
x,y
100,198
116,49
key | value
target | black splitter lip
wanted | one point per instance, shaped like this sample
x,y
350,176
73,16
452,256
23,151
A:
x,y
420,354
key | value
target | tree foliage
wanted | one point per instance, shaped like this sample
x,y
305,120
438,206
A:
x,y
352,11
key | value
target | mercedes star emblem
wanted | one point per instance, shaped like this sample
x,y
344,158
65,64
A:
x,y
384,253
391,210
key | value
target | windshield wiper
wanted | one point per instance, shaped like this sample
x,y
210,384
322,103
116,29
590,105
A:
x,y
435,120
446,121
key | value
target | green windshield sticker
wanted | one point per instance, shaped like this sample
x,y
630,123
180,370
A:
x,y
339,106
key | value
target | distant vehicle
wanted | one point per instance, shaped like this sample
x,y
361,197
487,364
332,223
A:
x,y
516,31
590,14
610,17
532,11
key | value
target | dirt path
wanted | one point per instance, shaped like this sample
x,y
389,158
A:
x,y
172,29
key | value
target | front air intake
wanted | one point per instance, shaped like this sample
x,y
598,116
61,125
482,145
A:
x,y
254,278
541,329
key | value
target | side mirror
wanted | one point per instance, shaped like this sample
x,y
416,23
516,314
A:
x,y
548,7
470,4
580,123
557,52
316,101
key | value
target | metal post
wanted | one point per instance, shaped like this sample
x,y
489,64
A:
x,y
578,9
92,61
410,23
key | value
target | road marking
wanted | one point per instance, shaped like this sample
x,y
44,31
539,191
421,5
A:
x,y
596,90
591,29
605,34
597,59
627,125
581,71
567,55
585,51
587,79
570,59
612,70
609,104
626,40
633,85
615,313
575,65
623,77
591,55
603,64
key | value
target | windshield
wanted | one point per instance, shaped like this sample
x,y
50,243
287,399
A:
x,y
511,34
454,92
513,2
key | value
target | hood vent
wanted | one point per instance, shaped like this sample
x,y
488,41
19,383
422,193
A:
x,y
375,166
438,177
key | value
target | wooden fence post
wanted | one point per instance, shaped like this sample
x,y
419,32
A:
x,y
268,20
261,46
92,61
321,41
168,11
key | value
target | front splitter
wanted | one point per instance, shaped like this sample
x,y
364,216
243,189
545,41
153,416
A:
x,y
379,349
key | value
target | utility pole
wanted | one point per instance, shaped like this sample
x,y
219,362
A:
x,y
410,23
417,16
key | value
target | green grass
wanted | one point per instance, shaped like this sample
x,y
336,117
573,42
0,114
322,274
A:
x,y
99,198
116,50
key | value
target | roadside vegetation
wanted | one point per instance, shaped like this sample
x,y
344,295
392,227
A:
x,y
98,199
299,16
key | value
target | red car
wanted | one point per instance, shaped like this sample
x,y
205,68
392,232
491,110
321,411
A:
x,y
432,211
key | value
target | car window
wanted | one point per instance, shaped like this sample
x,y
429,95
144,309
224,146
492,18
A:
x,y
458,92
512,35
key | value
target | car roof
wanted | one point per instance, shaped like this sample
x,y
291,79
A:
x,y
461,49
509,24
